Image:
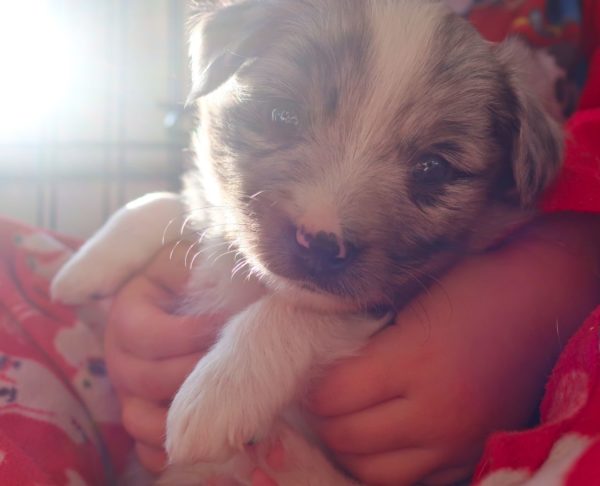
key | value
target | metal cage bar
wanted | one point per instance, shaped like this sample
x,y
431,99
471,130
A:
x,y
38,162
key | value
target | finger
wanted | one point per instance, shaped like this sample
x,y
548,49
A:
x,y
357,383
170,268
385,368
152,380
144,421
152,458
141,326
400,468
387,426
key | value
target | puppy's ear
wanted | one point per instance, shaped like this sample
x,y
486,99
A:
x,y
224,35
534,141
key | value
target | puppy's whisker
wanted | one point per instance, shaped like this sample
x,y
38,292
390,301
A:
x,y
230,252
187,215
240,258
206,229
235,54
424,316
196,255
416,279
434,280
212,247
194,209
202,233
390,302
190,217
214,257
172,252
185,222
164,233
187,253
239,266
204,250
258,194
418,302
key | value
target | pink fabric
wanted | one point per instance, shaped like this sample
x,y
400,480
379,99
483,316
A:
x,y
59,418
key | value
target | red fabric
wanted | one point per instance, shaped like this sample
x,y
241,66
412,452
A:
x,y
521,17
578,188
564,450
591,26
59,420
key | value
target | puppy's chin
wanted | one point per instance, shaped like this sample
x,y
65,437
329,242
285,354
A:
x,y
311,296
336,296
302,292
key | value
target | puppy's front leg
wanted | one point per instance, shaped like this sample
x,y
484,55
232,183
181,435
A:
x,y
120,248
264,357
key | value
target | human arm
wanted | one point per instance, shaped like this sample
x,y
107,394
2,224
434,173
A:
x,y
416,374
466,358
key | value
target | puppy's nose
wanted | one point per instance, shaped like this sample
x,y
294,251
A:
x,y
321,252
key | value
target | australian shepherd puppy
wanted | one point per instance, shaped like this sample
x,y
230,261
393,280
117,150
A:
x,y
348,151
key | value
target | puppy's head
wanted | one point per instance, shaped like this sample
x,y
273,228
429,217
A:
x,y
363,145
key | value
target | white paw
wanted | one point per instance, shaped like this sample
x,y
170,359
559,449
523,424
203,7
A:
x,y
89,275
210,419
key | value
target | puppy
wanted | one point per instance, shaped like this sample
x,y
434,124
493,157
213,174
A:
x,y
348,152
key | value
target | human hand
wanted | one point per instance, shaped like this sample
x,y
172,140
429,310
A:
x,y
150,350
466,358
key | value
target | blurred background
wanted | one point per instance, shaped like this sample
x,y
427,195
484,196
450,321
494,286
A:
x,y
91,107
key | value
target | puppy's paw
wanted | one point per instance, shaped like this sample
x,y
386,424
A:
x,y
210,419
90,274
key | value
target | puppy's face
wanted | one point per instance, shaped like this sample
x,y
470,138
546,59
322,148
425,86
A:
x,y
361,146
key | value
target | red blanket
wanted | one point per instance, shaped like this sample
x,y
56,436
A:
x,y
565,449
59,418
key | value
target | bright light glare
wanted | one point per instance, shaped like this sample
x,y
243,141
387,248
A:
x,y
36,64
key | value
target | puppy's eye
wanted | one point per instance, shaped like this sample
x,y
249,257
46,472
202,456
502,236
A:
x,y
285,116
284,121
429,177
432,170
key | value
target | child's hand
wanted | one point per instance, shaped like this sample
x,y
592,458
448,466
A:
x,y
469,357
150,350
